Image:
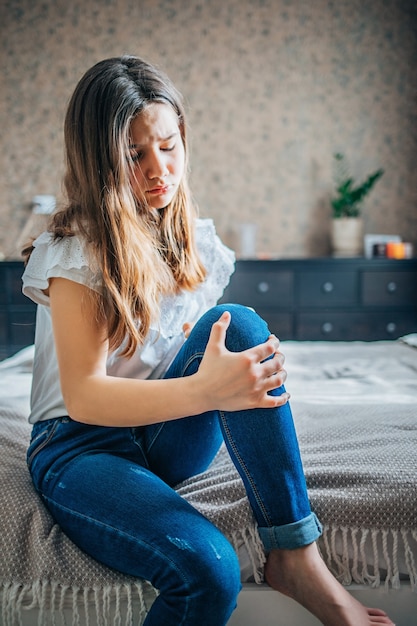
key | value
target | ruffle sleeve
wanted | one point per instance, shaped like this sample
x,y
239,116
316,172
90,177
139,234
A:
x,y
64,258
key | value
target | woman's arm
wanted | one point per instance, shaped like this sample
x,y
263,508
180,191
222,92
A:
x,y
225,380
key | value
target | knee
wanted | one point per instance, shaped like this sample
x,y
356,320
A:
x,y
246,328
206,575
218,578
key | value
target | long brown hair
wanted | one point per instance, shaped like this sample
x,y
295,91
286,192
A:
x,y
142,253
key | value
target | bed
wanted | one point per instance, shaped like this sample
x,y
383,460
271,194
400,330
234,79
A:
x,y
355,409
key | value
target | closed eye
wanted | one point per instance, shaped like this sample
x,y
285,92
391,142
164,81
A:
x,y
137,156
168,148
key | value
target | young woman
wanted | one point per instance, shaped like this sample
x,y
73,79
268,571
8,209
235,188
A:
x,y
139,377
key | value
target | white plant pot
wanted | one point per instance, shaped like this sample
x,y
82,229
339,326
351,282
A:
x,y
347,236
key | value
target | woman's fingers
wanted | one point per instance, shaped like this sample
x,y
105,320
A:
x,y
239,380
266,350
187,328
217,340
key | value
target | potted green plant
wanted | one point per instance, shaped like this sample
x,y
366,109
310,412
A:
x,y
347,203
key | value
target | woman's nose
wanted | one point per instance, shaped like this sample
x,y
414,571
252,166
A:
x,y
157,166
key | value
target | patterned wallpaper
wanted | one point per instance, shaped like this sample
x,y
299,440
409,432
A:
x,y
273,89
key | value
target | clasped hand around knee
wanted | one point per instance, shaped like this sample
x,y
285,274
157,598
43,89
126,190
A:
x,y
233,381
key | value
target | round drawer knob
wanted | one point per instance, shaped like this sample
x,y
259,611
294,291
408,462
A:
x,y
327,328
391,328
328,287
392,287
263,287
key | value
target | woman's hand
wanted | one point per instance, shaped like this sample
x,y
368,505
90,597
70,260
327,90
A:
x,y
233,381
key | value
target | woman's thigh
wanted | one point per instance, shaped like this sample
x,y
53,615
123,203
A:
x,y
179,449
127,518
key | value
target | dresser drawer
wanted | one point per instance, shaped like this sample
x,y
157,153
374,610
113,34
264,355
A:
x,y
341,326
3,285
331,326
281,324
391,325
3,330
327,289
260,289
389,288
22,327
11,284
14,286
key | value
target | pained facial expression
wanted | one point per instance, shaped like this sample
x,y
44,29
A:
x,y
158,155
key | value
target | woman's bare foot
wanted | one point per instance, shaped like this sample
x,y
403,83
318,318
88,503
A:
x,y
302,575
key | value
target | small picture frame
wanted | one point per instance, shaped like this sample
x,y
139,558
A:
x,y
371,240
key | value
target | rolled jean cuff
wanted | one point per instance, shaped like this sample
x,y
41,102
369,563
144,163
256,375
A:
x,y
291,536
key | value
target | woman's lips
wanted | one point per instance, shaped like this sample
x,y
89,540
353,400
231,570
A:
x,y
158,191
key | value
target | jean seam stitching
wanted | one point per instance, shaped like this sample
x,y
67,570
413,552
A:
x,y
245,470
42,445
155,437
196,355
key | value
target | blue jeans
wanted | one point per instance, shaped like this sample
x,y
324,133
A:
x,y
112,489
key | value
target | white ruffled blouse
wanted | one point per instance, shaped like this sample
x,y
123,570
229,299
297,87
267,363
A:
x,y
68,258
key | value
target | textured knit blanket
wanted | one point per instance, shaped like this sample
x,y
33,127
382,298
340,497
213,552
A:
x,y
355,409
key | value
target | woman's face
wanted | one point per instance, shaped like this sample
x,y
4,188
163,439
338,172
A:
x,y
158,155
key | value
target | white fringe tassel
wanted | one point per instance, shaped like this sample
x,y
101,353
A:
x,y
64,605
370,557
249,537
